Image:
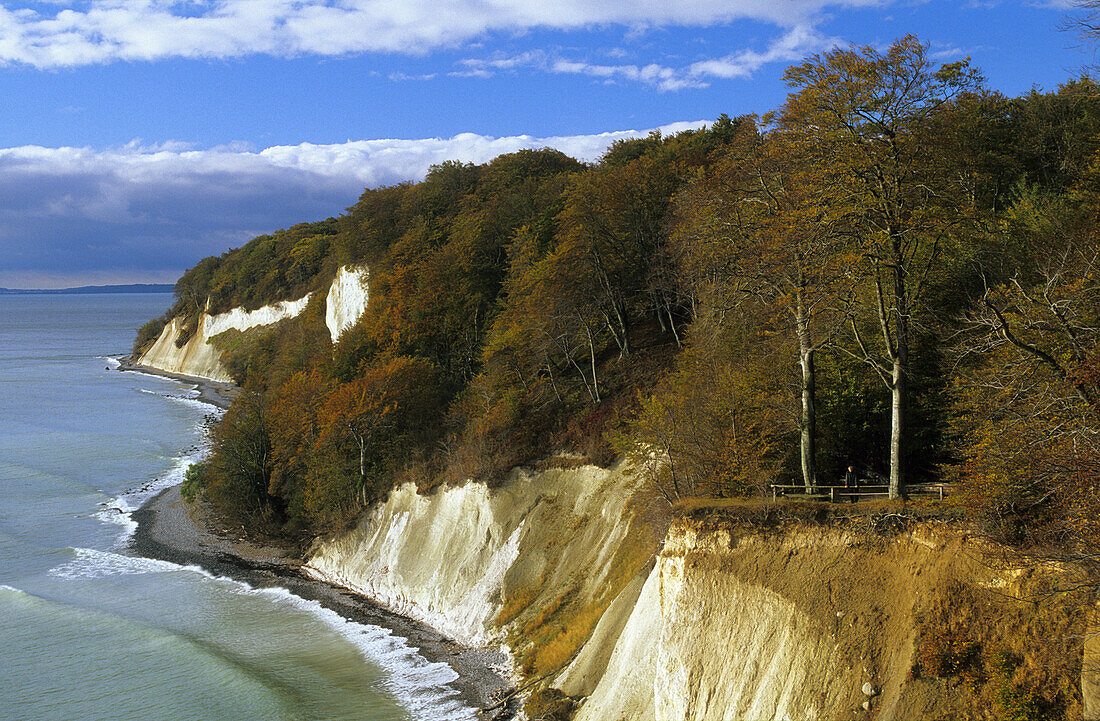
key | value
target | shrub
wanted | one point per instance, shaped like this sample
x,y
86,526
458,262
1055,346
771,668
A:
x,y
194,481
947,653
148,334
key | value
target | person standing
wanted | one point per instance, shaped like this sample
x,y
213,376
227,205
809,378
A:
x,y
851,480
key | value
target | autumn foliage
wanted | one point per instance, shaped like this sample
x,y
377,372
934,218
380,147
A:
x,y
895,270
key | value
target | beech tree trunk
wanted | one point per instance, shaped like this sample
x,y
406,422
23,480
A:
x,y
592,358
897,427
361,491
899,373
809,384
809,420
624,326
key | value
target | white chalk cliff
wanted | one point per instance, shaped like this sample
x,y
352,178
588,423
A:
x,y
241,319
448,558
346,300
198,357
717,624
194,358
345,303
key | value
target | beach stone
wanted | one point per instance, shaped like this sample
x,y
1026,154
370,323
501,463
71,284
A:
x,y
868,689
866,705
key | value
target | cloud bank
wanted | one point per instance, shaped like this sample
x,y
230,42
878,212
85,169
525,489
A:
x,y
86,33
140,213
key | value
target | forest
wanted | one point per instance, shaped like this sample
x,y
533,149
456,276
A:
x,y
894,270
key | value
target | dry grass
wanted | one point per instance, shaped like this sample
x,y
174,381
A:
x,y
690,504
764,513
985,642
546,613
563,462
514,604
549,704
560,628
564,642
630,559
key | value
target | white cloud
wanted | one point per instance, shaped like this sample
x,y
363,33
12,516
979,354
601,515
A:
x,y
83,214
402,77
950,52
508,62
380,162
792,45
104,31
664,78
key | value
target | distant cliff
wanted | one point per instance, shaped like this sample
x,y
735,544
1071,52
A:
x,y
86,289
198,356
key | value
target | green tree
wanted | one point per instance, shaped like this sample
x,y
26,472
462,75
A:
x,y
384,413
239,468
613,226
294,428
719,423
1028,386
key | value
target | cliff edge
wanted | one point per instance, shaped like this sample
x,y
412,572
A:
x,y
619,610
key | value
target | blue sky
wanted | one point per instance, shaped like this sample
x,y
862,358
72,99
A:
x,y
140,136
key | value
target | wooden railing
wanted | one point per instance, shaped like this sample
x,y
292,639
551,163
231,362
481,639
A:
x,y
864,490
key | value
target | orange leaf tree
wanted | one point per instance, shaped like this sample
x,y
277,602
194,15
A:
x,y
381,416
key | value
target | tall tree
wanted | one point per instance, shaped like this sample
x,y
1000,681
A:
x,y
394,401
292,426
240,465
612,227
1028,386
866,116
750,231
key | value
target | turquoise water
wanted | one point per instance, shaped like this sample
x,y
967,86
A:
x,y
90,632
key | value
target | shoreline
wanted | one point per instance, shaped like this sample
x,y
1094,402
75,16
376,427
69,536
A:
x,y
170,530
219,394
190,534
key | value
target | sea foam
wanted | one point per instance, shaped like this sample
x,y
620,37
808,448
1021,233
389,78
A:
x,y
421,686
90,563
119,510
190,399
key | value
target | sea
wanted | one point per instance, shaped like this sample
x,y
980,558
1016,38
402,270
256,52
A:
x,y
88,630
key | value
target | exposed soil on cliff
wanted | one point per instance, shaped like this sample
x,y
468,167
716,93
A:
x,y
939,623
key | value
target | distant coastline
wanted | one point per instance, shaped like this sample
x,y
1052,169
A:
x,y
86,289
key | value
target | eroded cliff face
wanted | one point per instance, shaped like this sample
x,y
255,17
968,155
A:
x,y
455,558
787,626
346,302
196,357
719,621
